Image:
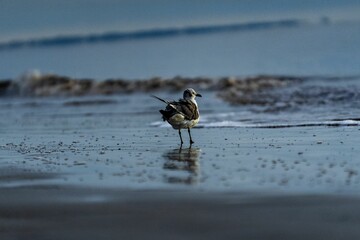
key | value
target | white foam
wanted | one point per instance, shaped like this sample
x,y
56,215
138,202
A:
x,y
226,123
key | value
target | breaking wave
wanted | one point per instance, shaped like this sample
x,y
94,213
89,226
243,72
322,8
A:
x,y
38,85
263,101
65,40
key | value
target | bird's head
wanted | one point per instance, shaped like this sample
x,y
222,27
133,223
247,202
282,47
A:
x,y
190,94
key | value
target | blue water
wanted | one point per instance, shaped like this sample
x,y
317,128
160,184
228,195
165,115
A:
x,y
325,43
24,19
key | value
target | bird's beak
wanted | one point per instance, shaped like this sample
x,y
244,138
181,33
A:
x,y
198,95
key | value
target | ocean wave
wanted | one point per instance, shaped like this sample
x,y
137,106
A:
x,y
262,101
39,85
291,98
66,40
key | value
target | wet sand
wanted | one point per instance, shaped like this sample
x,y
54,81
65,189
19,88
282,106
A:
x,y
282,188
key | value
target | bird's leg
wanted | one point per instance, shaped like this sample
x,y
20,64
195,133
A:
x,y
180,137
191,141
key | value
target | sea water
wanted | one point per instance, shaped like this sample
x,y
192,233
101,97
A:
x,y
143,39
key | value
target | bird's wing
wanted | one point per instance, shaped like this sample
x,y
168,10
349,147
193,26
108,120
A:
x,y
187,108
184,107
171,106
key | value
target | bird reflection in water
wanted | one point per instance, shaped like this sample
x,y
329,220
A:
x,y
185,165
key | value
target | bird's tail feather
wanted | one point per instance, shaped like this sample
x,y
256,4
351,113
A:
x,y
160,99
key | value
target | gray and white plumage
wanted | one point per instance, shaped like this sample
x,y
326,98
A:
x,y
182,114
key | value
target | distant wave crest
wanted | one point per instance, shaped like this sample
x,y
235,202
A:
x,y
145,34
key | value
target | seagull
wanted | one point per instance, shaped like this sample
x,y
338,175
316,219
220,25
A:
x,y
182,114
